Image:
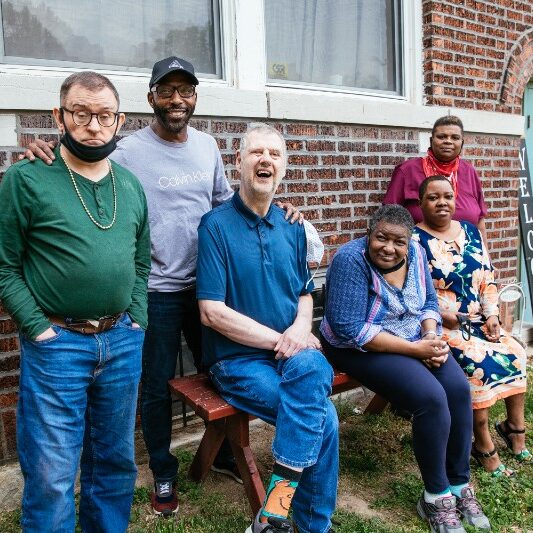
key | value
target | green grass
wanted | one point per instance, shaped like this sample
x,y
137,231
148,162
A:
x,y
206,511
9,522
377,461
377,466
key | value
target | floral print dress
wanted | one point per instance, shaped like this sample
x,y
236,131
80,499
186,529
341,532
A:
x,y
464,280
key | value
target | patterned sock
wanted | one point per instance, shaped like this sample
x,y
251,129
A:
x,y
280,491
456,489
431,498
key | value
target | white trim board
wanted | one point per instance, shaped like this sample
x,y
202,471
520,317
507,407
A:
x,y
28,90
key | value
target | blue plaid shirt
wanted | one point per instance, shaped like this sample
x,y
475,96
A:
x,y
360,303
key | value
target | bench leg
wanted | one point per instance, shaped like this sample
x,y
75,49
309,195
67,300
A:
x,y
207,451
238,432
377,405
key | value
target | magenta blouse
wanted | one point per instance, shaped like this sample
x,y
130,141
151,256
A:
x,y
407,177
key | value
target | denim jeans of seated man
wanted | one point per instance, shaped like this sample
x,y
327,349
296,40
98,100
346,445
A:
x,y
169,314
79,391
293,395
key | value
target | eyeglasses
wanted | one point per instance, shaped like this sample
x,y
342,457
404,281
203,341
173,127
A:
x,y
83,118
167,91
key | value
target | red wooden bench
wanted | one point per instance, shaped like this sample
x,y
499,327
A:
x,y
223,420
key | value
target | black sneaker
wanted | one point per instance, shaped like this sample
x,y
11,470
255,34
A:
x,y
164,499
228,468
470,509
274,525
442,516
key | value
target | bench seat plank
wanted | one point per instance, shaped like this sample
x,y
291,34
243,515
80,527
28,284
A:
x,y
199,394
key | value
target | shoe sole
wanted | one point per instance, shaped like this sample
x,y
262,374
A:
x,y
228,473
508,442
249,530
423,516
166,514
480,527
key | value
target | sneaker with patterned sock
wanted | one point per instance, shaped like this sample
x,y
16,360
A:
x,y
164,498
471,510
274,525
442,515
228,468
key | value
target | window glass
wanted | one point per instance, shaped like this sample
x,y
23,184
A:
x,y
112,34
341,43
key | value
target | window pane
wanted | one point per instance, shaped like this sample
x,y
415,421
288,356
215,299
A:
x,y
113,33
344,43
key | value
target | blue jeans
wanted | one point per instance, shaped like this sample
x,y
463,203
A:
x,y
78,391
169,314
439,400
292,395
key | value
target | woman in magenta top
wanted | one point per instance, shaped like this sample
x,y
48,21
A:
x,y
443,158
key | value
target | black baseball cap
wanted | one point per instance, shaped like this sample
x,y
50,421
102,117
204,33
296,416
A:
x,y
172,64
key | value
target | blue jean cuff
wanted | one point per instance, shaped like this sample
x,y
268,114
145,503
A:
x,y
303,530
293,464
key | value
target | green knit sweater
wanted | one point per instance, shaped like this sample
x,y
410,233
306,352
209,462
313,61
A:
x,y
55,261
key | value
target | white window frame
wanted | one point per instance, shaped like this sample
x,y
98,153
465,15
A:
x,y
399,58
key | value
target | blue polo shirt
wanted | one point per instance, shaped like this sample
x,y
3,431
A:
x,y
257,266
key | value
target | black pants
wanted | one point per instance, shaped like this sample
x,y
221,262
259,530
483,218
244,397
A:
x,y
169,314
438,398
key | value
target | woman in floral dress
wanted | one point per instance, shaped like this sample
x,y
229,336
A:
x,y
494,363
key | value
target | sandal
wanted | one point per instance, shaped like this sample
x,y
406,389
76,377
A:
x,y
501,470
504,431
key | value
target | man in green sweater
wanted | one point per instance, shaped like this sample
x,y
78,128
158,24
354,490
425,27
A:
x,y
74,264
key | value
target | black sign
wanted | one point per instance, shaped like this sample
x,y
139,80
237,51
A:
x,y
525,205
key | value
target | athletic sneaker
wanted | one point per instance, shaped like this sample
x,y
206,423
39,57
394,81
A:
x,y
274,525
470,509
442,516
228,468
165,499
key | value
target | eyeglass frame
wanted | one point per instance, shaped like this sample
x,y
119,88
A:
x,y
115,120
174,90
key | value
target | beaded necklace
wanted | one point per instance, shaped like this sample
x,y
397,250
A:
x,y
94,221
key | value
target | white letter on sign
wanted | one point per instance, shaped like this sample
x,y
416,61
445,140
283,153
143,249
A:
x,y
523,187
528,220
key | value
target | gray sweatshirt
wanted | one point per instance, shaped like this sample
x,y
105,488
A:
x,y
182,182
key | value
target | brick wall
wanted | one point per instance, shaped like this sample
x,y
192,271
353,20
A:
x,y
478,54
337,176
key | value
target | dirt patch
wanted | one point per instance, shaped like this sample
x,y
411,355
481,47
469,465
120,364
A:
x,y
348,501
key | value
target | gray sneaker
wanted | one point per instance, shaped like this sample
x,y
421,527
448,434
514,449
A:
x,y
470,509
442,516
274,525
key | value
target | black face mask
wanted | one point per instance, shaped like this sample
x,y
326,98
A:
x,y
89,154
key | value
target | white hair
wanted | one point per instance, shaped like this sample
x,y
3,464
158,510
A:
x,y
262,127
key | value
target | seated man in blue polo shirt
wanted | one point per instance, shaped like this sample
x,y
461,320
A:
x,y
253,290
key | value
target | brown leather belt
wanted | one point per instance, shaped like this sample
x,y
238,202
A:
x,y
86,326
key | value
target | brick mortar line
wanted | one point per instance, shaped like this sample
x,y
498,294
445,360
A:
x,y
9,373
485,3
503,18
458,41
505,40
7,355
